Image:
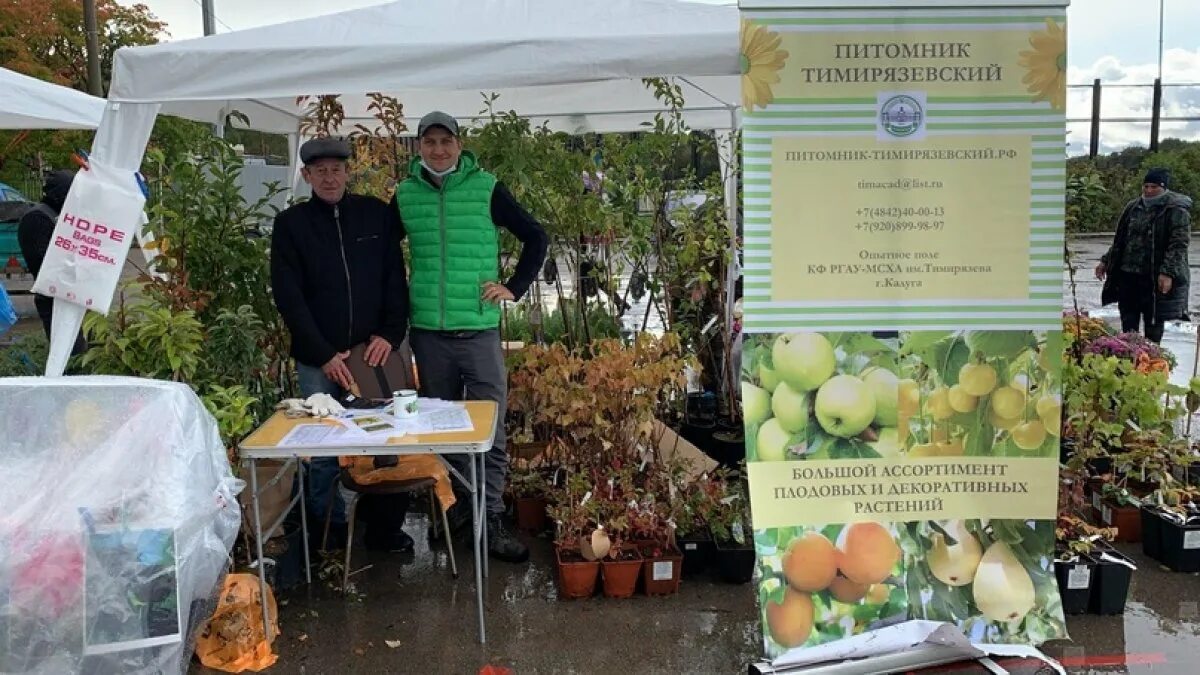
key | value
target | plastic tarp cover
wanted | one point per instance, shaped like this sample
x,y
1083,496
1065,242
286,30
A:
x,y
118,511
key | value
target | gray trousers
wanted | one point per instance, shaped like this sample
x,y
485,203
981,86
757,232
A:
x,y
468,365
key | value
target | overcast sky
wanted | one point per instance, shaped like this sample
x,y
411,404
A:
x,y
1115,40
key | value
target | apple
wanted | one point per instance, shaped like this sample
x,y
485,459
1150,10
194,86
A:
x,y
803,360
886,387
756,404
977,379
938,404
1029,436
773,442
1008,402
791,408
845,406
767,377
888,444
1005,423
960,400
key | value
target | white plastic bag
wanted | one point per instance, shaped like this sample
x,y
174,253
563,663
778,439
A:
x,y
95,228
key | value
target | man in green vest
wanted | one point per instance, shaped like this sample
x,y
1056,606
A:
x,y
450,210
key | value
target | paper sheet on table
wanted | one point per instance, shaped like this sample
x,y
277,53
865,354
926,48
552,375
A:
x,y
374,425
310,435
437,421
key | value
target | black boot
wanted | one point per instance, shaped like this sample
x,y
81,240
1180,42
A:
x,y
502,543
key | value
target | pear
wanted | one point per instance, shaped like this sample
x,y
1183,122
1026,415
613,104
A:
x,y
1003,589
955,565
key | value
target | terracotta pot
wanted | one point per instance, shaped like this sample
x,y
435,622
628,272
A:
x,y
531,514
576,576
660,573
1127,520
621,576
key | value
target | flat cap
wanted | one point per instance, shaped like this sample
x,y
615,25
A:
x,y
324,148
437,118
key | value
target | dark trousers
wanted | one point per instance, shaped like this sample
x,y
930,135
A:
x,y
468,365
1136,301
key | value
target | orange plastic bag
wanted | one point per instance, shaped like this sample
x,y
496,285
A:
x,y
233,640
362,468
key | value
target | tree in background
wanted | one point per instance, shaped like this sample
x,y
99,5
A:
x,y
45,39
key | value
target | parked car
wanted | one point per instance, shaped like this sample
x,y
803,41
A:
x,y
13,205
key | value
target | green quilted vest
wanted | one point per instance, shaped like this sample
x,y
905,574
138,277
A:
x,y
454,246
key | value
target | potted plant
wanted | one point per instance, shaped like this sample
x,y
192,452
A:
x,y
577,547
528,487
1176,519
653,529
621,567
729,524
693,506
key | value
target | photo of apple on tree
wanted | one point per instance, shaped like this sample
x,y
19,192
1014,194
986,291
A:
x,y
993,579
813,396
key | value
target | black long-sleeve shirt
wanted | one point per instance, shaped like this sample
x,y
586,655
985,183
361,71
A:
x,y
507,213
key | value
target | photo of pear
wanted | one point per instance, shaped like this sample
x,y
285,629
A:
x,y
867,553
1002,588
955,564
790,622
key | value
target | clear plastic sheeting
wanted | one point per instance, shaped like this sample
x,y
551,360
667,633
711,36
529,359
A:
x,y
118,511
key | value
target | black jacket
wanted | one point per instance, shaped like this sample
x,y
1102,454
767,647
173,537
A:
x,y
338,277
1172,226
34,232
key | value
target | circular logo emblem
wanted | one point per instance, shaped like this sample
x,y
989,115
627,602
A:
x,y
901,116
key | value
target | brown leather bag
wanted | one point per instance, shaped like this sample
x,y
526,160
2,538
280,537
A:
x,y
379,382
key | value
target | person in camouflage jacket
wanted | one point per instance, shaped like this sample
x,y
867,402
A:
x,y
1146,270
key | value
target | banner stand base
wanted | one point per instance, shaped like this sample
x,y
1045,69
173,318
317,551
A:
x,y
902,648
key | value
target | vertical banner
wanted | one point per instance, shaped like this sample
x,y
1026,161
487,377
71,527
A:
x,y
904,174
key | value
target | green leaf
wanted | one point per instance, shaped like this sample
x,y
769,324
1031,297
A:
x,y
949,356
864,343
820,444
918,343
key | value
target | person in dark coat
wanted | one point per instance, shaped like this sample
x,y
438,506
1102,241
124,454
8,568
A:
x,y
34,232
1146,270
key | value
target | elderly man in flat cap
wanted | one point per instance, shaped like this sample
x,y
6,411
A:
x,y
338,278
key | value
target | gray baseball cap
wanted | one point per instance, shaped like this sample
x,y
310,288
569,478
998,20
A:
x,y
437,118
324,148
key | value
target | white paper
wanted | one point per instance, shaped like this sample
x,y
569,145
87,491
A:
x,y
663,571
1191,540
440,420
1079,578
310,435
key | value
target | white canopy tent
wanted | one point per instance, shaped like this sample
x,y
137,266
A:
x,y
30,103
577,64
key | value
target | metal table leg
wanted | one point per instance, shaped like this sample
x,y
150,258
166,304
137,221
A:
x,y
262,572
483,510
304,519
476,543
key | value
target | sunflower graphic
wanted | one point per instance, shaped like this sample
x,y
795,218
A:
x,y
762,59
1046,65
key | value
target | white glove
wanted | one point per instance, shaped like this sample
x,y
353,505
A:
x,y
323,405
292,407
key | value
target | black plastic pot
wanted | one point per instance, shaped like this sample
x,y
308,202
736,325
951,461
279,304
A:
x,y
728,447
1075,583
734,564
1180,545
697,553
701,408
1151,534
699,434
1110,583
